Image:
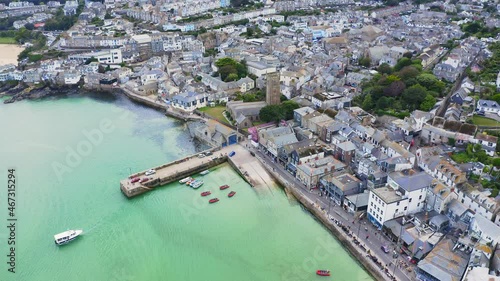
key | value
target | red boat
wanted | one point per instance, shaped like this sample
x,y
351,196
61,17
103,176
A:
x,y
323,272
231,194
222,187
213,200
205,193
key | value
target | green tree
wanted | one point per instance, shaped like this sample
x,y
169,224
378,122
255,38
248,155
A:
x,y
271,113
288,107
427,80
402,62
392,78
431,82
367,103
414,96
226,70
408,72
496,98
496,162
231,77
384,102
395,89
428,103
229,66
384,68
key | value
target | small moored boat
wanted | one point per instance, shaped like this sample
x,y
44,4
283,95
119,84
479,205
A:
x,y
206,193
231,194
67,236
222,187
213,200
323,272
190,181
184,180
204,172
196,184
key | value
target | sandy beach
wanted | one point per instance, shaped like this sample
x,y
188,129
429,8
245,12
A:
x,y
9,53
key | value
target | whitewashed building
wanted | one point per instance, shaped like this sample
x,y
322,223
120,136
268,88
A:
x,y
403,195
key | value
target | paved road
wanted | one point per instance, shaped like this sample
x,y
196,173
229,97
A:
x,y
360,228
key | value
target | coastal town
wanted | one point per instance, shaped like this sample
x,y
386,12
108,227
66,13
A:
x,y
381,117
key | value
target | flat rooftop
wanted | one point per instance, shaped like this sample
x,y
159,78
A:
x,y
387,194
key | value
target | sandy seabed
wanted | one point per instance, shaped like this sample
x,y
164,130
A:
x,y
9,53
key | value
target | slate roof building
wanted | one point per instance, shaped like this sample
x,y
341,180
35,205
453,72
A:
x,y
443,263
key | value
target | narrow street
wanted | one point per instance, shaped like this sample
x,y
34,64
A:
x,y
360,229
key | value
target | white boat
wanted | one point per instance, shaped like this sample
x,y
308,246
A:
x,y
67,236
184,180
197,184
204,172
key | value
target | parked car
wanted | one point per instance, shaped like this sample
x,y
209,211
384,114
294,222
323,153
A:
x,y
150,172
232,153
134,180
143,180
385,249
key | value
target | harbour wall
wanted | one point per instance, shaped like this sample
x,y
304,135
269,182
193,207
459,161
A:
x,y
170,172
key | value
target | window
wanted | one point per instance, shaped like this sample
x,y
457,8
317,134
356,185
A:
x,y
418,205
409,200
397,204
406,208
396,211
420,197
462,201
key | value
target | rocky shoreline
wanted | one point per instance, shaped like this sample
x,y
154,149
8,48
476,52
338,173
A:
x,y
21,91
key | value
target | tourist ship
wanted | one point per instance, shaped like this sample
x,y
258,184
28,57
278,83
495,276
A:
x,y
67,236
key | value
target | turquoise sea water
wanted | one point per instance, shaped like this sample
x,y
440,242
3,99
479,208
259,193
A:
x,y
70,153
